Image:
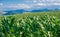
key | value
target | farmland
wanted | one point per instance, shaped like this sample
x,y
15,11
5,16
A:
x,y
41,24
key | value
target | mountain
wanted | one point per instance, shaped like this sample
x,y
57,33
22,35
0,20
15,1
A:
x,y
40,10
34,10
14,12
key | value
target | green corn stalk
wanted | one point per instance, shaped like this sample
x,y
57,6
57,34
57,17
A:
x,y
30,26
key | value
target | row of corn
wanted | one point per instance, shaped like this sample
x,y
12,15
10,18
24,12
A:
x,y
30,26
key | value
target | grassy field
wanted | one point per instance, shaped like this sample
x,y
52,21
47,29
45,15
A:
x,y
40,24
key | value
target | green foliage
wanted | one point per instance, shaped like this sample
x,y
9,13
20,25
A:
x,y
30,26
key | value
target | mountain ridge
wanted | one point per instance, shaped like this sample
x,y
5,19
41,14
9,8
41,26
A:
x,y
22,11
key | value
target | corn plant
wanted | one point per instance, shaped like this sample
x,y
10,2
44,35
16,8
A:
x,y
30,26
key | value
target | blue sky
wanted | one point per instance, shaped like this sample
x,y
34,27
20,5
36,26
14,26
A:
x,y
27,4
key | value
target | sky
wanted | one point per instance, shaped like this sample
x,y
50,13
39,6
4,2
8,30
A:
x,y
28,4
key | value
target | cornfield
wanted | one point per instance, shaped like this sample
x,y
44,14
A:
x,y
30,26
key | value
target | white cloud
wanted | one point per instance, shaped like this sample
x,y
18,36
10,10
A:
x,y
27,6
41,4
50,1
24,6
56,4
34,1
20,6
47,4
1,4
